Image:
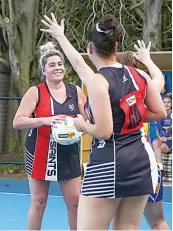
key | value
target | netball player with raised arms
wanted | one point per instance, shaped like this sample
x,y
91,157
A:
x,y
153,212
122,170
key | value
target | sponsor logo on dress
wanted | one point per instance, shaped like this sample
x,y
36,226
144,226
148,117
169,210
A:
x,y
131,100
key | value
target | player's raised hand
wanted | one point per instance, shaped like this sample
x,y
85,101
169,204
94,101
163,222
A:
x,y
143,52
53,27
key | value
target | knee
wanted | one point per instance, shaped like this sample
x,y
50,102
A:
x,y
72,202
156,143
164,148
132,226
157,223
39,202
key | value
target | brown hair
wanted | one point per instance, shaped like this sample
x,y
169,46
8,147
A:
x,y
126,58
104,35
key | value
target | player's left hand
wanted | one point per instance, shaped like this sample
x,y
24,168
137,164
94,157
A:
x,y
55,29
143,52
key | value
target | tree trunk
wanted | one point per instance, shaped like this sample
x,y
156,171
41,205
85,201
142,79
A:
x,y
153,23
22,41
167,26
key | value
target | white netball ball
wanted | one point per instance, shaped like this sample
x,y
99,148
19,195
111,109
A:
x,y
65,132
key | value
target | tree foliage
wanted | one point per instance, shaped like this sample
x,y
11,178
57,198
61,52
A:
x,y
20,35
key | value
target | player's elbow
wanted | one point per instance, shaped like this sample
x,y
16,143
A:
x,y
16,124
105,129
105,133
107,136
163,114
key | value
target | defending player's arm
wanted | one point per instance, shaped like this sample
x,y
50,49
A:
x,y
57,31
23,120
143,55
155,108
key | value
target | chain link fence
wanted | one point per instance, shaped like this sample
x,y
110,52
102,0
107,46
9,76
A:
x,y
11,140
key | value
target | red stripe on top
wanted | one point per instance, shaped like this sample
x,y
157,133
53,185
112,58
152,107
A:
x,y
43,109
134,121
140,81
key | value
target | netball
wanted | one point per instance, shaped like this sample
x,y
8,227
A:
x,y
65,133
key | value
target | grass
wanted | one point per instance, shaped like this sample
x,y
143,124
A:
x,y
11,169
12,158
4,168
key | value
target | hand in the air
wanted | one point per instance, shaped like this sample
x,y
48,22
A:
x,y
54,28
143,52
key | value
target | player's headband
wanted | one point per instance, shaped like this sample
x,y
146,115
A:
x,y
103,29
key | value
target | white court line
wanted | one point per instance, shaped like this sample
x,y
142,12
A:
x,y
169,203
23,194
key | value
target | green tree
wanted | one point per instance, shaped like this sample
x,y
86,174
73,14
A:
x,y
20,37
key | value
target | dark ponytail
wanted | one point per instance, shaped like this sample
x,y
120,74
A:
x,y
104,35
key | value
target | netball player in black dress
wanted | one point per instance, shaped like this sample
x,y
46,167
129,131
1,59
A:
x,y
154,208
122,170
